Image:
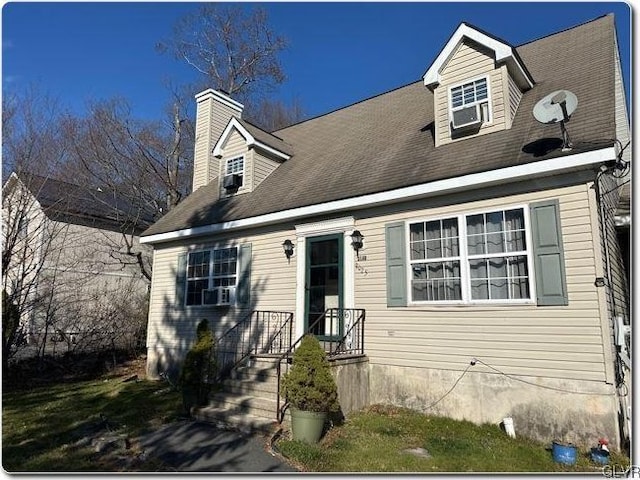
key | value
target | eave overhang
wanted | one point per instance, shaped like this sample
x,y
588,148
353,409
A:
x,y
251,141
553,166
503,52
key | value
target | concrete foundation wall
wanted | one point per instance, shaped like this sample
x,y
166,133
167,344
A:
x,y
352,378
543,411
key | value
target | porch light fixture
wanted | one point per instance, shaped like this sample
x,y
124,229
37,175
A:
x,y
287,245
357,241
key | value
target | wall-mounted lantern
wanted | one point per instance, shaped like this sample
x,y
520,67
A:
x,y
357,241
287,245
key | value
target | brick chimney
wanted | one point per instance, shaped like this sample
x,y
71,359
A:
x,y
213,112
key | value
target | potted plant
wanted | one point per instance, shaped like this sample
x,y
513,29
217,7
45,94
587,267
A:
x,y
310,390
198,369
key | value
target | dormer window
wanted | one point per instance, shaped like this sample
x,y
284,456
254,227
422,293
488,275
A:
x,y
234,173
470,104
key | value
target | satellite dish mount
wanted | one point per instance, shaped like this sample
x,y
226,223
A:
x,y
557,107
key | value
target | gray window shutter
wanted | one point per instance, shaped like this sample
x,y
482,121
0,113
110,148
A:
x,y
181,279
243,292
548,253
396,265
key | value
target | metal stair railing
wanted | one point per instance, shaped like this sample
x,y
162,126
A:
x,y
260,332
350,344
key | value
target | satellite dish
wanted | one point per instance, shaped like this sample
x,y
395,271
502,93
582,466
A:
x,y
557,107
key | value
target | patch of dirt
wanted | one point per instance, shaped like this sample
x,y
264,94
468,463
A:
x,y
135,366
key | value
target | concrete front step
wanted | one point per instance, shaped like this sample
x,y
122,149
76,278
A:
x,y
238,403
245,422
266,389
255,374
259,370
248,399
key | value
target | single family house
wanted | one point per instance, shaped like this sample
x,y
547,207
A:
x,y
68,263
452,242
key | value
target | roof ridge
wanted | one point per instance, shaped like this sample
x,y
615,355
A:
x,y
46,178
566,29
484,32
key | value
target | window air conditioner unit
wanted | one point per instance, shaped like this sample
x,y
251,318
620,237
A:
x,y
468,116
219,296
232,182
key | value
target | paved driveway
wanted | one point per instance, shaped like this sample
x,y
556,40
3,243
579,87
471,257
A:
x,y
191,446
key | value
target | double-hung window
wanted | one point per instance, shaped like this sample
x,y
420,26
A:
x,y
470,103
470,258
212,276
234,172
435,260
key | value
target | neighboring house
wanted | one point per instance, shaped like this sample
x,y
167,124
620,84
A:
x,y
488,250
67,263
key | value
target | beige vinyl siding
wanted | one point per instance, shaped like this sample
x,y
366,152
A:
x,y
88,249
76,270
468,62
273,287
262,167
514,96
561,342
211,119
622,118
618,298
235,146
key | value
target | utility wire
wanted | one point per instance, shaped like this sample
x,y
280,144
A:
x,y
511,377
541,386
614,189
451,389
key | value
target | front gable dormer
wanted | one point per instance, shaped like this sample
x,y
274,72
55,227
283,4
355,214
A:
x,y
477,82
247,156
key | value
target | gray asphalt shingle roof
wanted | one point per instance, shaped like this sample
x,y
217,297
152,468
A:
x,y
386,142
72,203
266,137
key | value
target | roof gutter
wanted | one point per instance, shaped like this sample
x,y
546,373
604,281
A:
x,y
438,187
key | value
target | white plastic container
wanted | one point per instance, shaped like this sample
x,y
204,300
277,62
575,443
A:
x,y
508,426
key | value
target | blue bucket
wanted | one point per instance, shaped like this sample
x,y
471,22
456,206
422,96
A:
x,y
600,456
564,453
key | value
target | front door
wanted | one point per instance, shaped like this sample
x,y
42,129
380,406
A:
x,y
324,284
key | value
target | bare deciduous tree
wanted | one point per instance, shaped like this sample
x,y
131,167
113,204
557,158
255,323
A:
x,y
273,115
144,166
233,47
236,51
32,133
28,249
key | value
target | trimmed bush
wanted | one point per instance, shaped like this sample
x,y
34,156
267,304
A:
x,y
199,367
309,385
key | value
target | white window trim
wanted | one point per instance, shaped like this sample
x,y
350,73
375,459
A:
x,y
233,159
487,77
464,258
210,277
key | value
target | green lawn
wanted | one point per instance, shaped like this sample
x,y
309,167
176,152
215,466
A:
x,y
40,426
378,440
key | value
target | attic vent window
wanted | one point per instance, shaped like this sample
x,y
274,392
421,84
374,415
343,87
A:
x,y
470,104
234,173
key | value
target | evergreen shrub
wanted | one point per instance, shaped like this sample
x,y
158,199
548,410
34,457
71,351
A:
x,y
309,385
199,368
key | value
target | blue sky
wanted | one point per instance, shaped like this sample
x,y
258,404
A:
x,y
339,53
